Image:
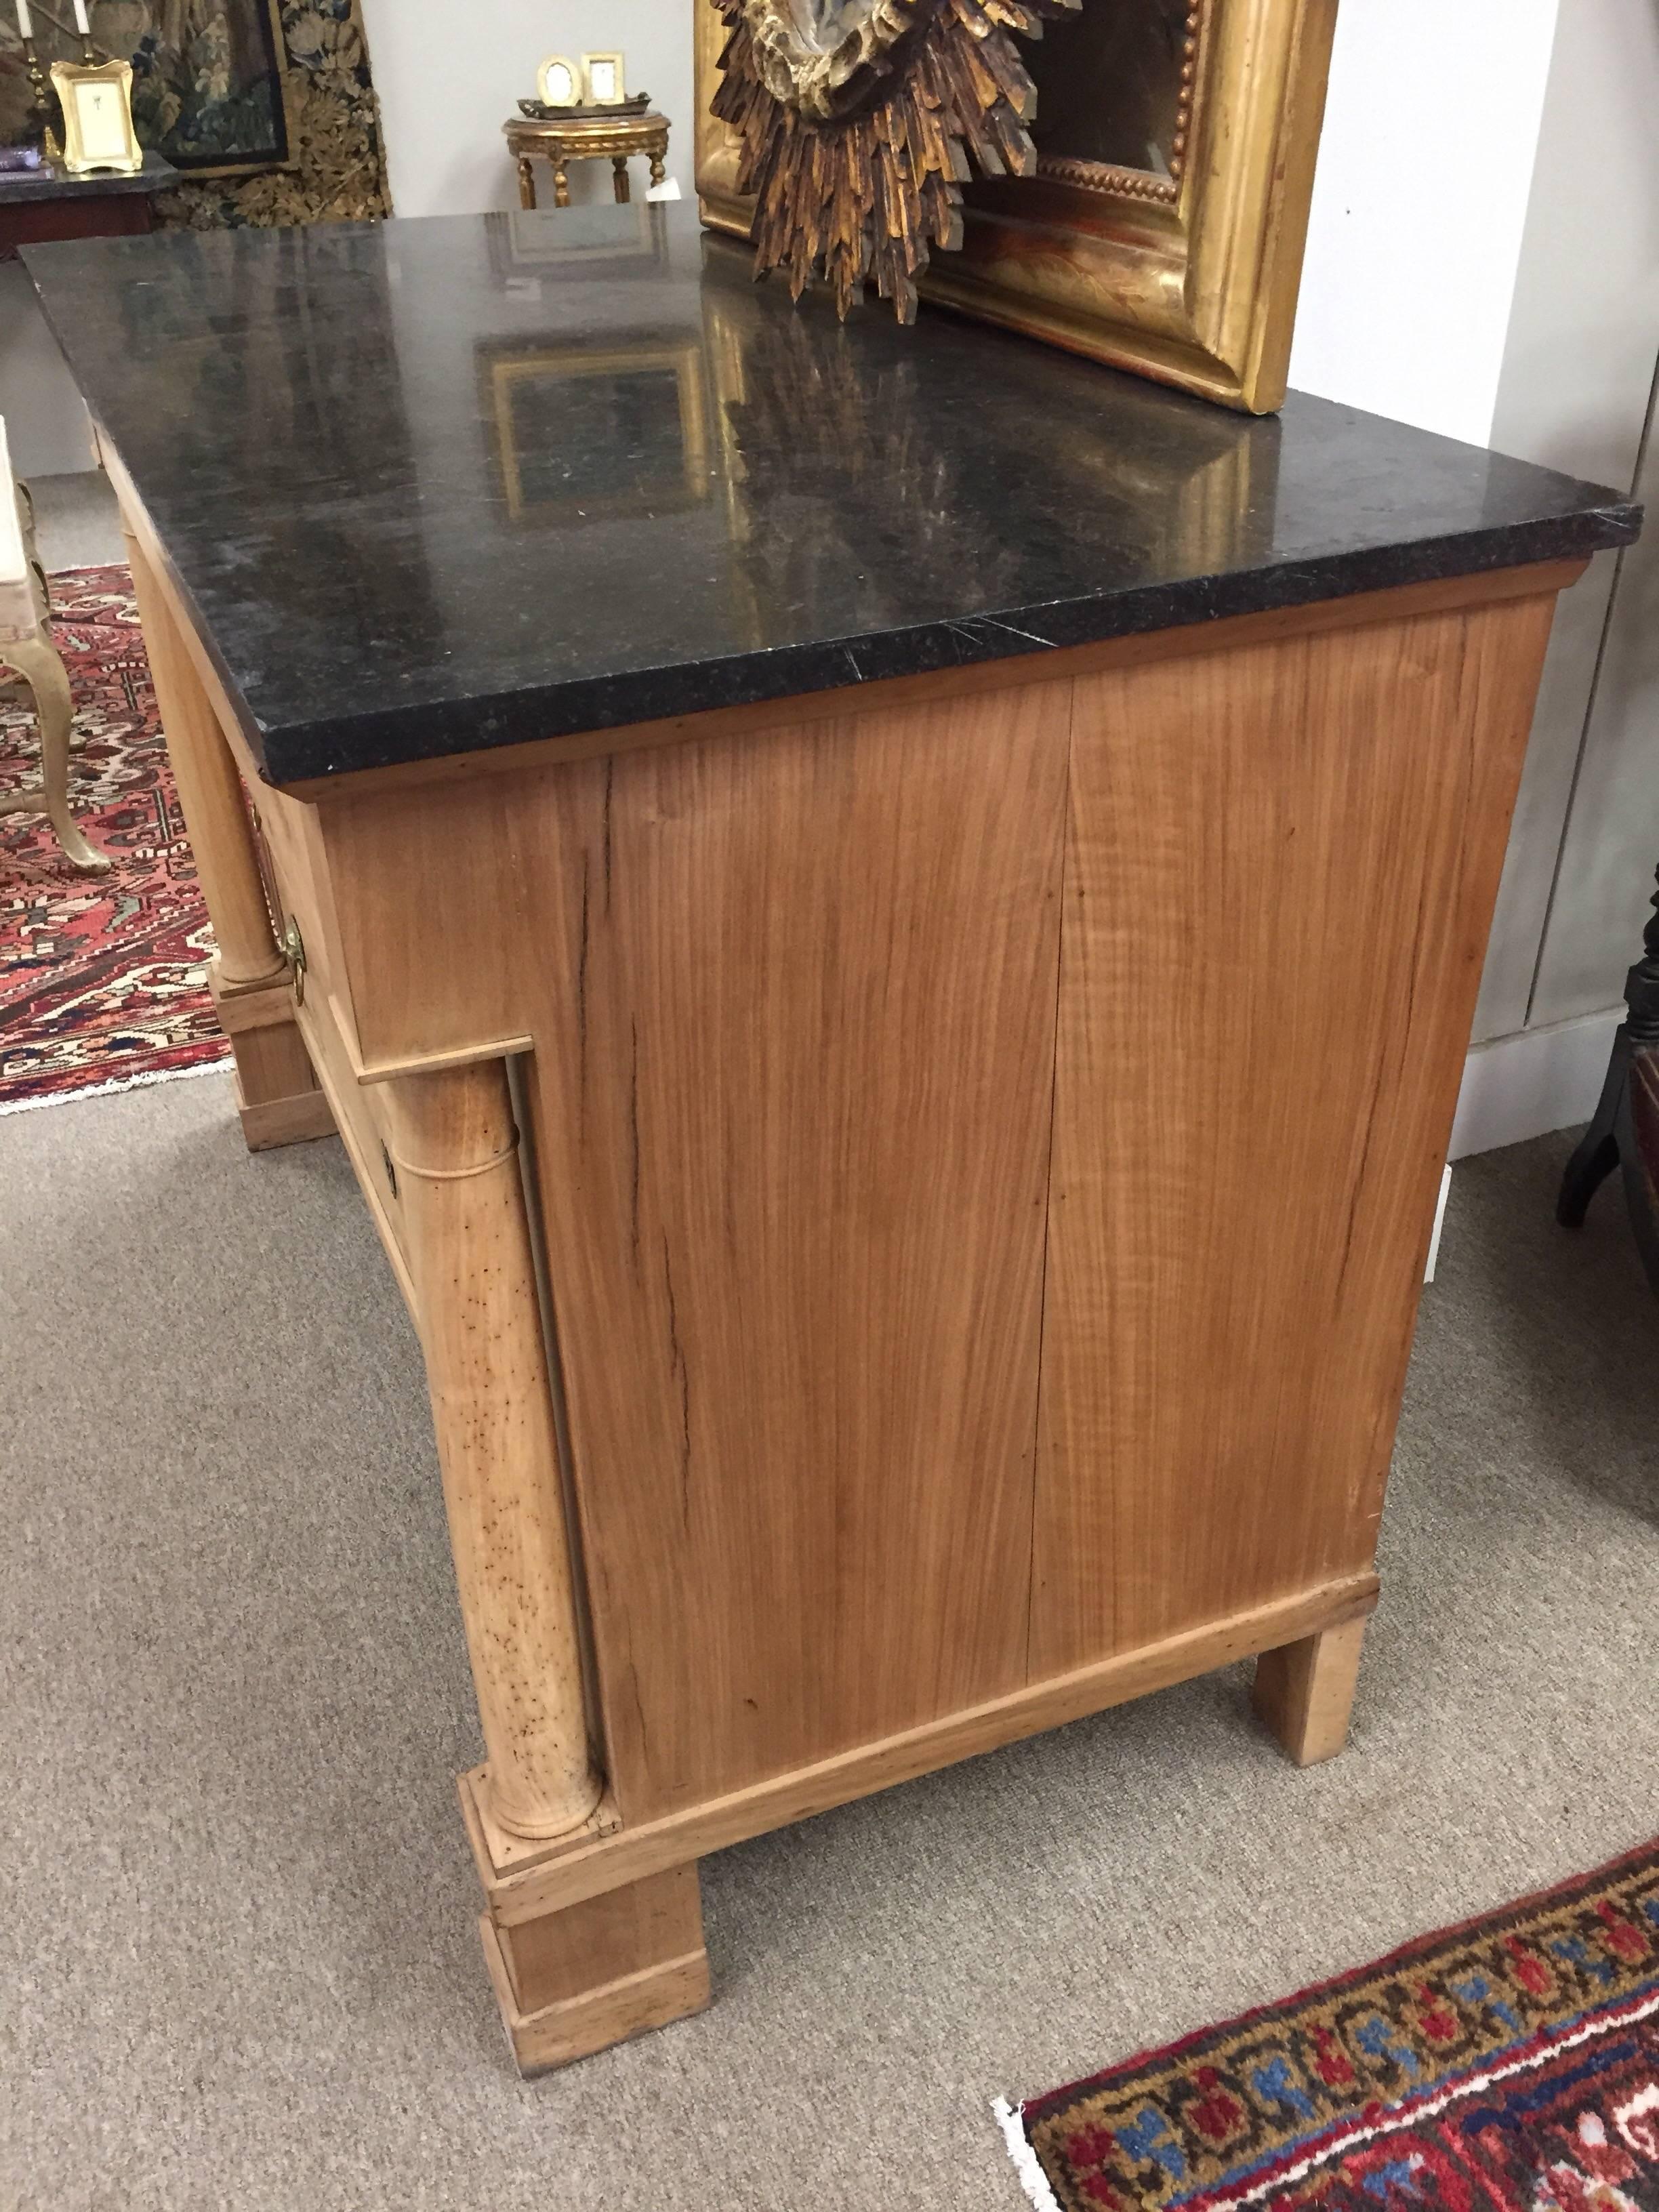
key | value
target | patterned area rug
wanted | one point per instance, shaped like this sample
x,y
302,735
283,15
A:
x,y
103,979
1508,2065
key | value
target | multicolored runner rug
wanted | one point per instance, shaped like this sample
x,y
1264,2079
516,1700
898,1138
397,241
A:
x,y
103,979
1507,2065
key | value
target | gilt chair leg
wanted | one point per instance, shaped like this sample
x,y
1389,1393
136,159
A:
x,y
39,664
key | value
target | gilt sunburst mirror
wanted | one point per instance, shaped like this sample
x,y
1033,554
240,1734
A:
x,y
1127,179
859,121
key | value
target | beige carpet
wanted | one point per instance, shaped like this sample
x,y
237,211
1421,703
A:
x,y
238,1966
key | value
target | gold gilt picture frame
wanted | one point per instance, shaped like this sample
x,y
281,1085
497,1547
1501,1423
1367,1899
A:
x,y
602,75
96,98
559,83
1186,272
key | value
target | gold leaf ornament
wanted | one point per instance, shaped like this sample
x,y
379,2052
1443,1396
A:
x,y
859,121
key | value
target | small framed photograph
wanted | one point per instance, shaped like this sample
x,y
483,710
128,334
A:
x,y
559,83
604,75
97,104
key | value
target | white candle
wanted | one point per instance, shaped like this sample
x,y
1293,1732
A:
x,y
24,26
81,22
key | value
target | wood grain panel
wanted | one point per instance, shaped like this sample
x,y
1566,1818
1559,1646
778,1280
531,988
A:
x,y
1280,869
792,1126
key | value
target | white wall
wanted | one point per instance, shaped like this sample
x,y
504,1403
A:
x,y
1574,393
448,78
1431,131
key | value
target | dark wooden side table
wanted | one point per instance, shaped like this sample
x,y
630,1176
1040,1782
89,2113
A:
x,y
1624,1133
585,139
39,204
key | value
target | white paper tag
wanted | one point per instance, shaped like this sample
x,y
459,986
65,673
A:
x,y
668,190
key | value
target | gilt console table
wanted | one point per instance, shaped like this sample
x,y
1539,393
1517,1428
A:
x,y
892,939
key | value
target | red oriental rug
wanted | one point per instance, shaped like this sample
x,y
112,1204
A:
x,y
103,979
1508,2065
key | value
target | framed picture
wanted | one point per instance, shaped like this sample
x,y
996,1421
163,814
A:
x,y
1163,229
603,75
559,83
97,104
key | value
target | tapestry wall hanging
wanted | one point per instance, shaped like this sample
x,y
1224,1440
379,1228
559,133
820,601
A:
x,y
266,106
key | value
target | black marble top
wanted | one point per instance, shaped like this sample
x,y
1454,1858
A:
x,y
441,485
50,184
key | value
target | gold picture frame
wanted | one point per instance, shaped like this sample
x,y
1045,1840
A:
x,y
1189,277
606,70
552,69
96,98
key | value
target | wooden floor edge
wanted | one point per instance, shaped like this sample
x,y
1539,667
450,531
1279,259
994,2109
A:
x,y
591,1868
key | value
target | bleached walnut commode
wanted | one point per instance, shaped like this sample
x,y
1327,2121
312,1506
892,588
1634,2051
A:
x,y
889,921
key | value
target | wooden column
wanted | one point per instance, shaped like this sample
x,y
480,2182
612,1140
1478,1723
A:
x,y
455,1147
278,1095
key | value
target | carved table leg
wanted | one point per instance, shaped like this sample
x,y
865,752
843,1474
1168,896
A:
x,y
527,183
658,169
561,185
278,1094
1305,1690
39,664
619,178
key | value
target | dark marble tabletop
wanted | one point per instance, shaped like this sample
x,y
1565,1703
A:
x,y
17,185
441,485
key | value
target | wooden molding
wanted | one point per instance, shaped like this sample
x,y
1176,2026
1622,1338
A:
x,y
590,1866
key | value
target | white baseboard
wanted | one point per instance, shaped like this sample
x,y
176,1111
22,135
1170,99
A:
x,y
1527,1084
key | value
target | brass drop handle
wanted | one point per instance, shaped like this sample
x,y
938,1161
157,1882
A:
x,y
293,950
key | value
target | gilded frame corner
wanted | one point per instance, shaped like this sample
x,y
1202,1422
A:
x,y
1191,280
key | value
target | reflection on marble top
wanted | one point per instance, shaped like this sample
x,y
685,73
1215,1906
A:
x,y
434,485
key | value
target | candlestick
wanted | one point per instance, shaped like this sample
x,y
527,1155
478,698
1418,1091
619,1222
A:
x,y
40,102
